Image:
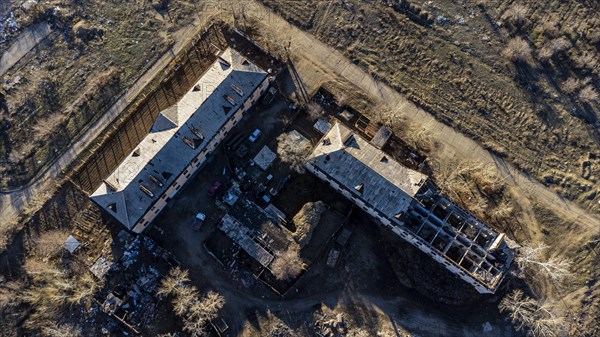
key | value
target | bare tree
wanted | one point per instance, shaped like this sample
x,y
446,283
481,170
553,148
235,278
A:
x,y
535,318
517,50
61,330
195,312
208,307
50,244
531,259
288,264
185,297
177,278
293,149
306,220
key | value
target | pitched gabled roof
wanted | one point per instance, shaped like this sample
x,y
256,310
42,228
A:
x,y
354,163
178,135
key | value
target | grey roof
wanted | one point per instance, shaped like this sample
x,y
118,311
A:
x,y
264,158
166,151
381,137
366,171
244,237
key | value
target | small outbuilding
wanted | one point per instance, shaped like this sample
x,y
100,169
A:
x,y
265,158
71,244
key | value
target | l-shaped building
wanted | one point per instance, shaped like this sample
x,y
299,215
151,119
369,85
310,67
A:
x,y
404,201
180,140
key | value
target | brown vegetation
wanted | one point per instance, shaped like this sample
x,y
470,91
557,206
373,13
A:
x,y
293,150
288,264
455,70
76,74
517,50
535,318
306,220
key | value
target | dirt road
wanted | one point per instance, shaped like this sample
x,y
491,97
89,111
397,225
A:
x,y
13,202
316,63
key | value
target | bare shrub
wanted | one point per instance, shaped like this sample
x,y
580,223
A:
x,y
549,27
552,48
293,149
587,60
572,84
535,318
515,15
517,50
288,264
532,261
588,94
306,220
594,36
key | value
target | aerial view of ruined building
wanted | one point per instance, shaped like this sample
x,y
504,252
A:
x,y
404,201
180,140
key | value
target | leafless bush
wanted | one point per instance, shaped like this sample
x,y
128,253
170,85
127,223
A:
x,y
572,84
517,50
50,244
288,264
531,260
293,149
549,27
306,220
535,318
552,48
515,15
587,60
588,94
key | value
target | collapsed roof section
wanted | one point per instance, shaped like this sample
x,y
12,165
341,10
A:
x,y
411,206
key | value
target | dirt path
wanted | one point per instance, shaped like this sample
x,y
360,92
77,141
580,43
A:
x,y
13,202
316,63
404,310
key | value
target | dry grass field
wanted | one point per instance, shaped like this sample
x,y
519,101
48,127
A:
x,y
96,50
536,106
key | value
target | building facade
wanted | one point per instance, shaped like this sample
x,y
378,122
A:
x,y
181,139
404,201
